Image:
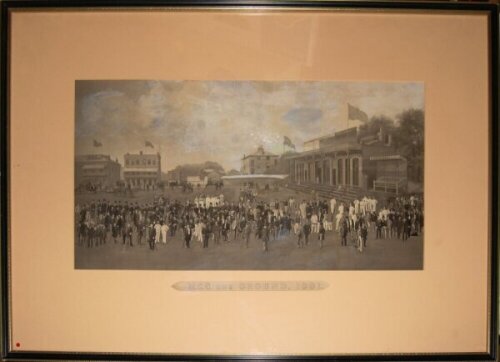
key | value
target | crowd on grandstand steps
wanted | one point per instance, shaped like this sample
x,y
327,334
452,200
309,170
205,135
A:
x,y
210,220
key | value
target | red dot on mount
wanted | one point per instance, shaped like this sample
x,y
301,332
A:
x,y
18,344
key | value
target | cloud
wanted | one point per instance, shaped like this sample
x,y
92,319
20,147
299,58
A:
x,y
303,116
195,121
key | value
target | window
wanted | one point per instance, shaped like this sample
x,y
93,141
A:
x,y
268,158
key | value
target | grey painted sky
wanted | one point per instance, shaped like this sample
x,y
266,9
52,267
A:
x,y
196,121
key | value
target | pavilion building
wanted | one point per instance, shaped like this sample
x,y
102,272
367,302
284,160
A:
x,y
350,160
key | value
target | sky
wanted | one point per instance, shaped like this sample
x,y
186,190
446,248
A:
x,y
197,121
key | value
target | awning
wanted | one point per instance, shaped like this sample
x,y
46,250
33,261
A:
x,y
343,147
387,158
254,177
93,167
129,169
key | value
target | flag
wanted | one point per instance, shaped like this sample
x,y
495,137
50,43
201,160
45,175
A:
x,y
148,144
288,142
356,113
97,143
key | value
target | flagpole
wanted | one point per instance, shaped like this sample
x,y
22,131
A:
x,y
347,115
159,152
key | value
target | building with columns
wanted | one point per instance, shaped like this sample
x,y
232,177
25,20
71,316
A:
x,y
258,163
351,160
142,170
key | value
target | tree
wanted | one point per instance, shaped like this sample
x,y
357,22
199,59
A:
x,y
408,139
377,122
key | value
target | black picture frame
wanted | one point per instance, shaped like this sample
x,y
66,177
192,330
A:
x,y
8,5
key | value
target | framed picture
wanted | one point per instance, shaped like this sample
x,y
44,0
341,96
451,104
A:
x,y
249,179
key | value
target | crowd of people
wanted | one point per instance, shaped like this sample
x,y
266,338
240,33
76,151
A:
x,y
187,187
211,220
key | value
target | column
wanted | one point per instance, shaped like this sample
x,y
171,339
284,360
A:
x,y
313,170
347,171
331,170
352,171
340,171
333,174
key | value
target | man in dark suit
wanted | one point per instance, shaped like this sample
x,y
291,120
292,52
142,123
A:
x,y
307,231
205,231
188,233
343,231
265,237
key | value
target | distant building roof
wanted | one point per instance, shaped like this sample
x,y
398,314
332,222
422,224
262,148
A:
x,y
140,169
94,167
344,146
370,139
213,174
359,135
344,132
260,152
253,177
143,153
320,138
92,157
347,131
233,172
387,158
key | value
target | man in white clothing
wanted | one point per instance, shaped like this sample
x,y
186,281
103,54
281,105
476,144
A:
x,y
341,209
356,206
314,223
339,218
351,209
164,229
333,202
363,205
157,232
302,208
